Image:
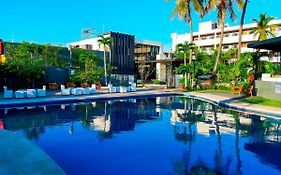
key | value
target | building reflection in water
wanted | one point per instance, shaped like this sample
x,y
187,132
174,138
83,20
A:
x,y
199,118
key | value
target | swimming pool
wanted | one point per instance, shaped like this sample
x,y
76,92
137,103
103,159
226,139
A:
x,y
163,135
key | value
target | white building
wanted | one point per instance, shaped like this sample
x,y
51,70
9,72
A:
x,y
208,36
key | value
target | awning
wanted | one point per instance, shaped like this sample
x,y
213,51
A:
x,y
273,44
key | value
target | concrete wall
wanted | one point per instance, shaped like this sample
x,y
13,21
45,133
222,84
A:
x,y
267,89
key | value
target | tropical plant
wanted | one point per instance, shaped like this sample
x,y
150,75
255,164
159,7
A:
x,y
241,29
264,29
182,50
105,42
183,9
222,7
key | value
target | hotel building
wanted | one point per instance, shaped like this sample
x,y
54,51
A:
x,y
208,36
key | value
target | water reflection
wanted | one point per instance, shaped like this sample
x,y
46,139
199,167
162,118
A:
x,y
228,136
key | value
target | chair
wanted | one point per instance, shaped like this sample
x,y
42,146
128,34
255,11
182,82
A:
x,y
86,91
84,85
19,94
31,93
64,91
250,92
237,89
53,86
8,93
77,91
93,89
133,87
110,87
70,85
123,89
41,92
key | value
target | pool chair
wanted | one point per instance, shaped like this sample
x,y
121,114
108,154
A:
x,y
77,91
111,88
123,89
19,94
42,92
86,91
133,87
8,93
93,89
117,88
64,91
31,93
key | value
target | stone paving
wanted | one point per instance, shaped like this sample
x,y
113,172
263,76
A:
x,y
231,101
20,156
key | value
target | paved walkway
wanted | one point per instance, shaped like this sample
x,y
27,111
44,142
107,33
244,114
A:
x,y
232,102
20,156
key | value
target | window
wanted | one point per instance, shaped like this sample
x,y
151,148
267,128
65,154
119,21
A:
x,y
211,37
203,38
235,34
226,35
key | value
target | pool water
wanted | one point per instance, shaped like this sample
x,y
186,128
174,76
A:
x,y
163,135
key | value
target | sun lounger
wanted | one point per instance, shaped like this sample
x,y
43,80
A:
x,y
123,89
86,91
8,93
133,87
19,94
31,93
42,92
93,89
77,91
64,91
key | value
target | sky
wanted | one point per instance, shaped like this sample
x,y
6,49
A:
x,y
61,21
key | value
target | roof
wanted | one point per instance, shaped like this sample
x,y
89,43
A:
x,y
270,44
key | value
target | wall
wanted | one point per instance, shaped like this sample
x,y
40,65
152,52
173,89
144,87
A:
x,y
266,89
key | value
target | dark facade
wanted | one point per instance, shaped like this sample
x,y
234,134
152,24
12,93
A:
x,y
122,53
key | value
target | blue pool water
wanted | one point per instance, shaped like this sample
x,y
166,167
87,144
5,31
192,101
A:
x,y
163,135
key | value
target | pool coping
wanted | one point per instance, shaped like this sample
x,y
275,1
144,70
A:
x,y
253,110
53,100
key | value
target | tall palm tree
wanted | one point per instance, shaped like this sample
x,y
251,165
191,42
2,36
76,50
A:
x,y
241,29
184,49
183,9
264,29
223,7
105,42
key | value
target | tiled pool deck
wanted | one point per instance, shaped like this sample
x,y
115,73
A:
x,y
23,154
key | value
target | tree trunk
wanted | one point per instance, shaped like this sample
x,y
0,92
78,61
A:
x,y
241,30
191,40
104,62
185,75
220,44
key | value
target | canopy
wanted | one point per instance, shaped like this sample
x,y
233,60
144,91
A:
x,y
273,44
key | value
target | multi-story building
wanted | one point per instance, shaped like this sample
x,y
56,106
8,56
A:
x,y
208,36
126,52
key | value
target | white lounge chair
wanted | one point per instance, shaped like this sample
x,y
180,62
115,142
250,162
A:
x,y
8,93
31,93
77,91
64,91
19,94
86,91
117,88
133,87
93,89
42,92
123,89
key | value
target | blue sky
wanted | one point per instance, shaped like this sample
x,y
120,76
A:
x,y
60,21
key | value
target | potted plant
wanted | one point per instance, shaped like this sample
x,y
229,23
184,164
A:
x,y
182,81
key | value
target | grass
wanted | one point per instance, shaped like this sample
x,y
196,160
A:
x,y
262,101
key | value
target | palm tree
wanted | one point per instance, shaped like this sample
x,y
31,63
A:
x,y
183,9
263,29
184,49
222,7
241,29
106,42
